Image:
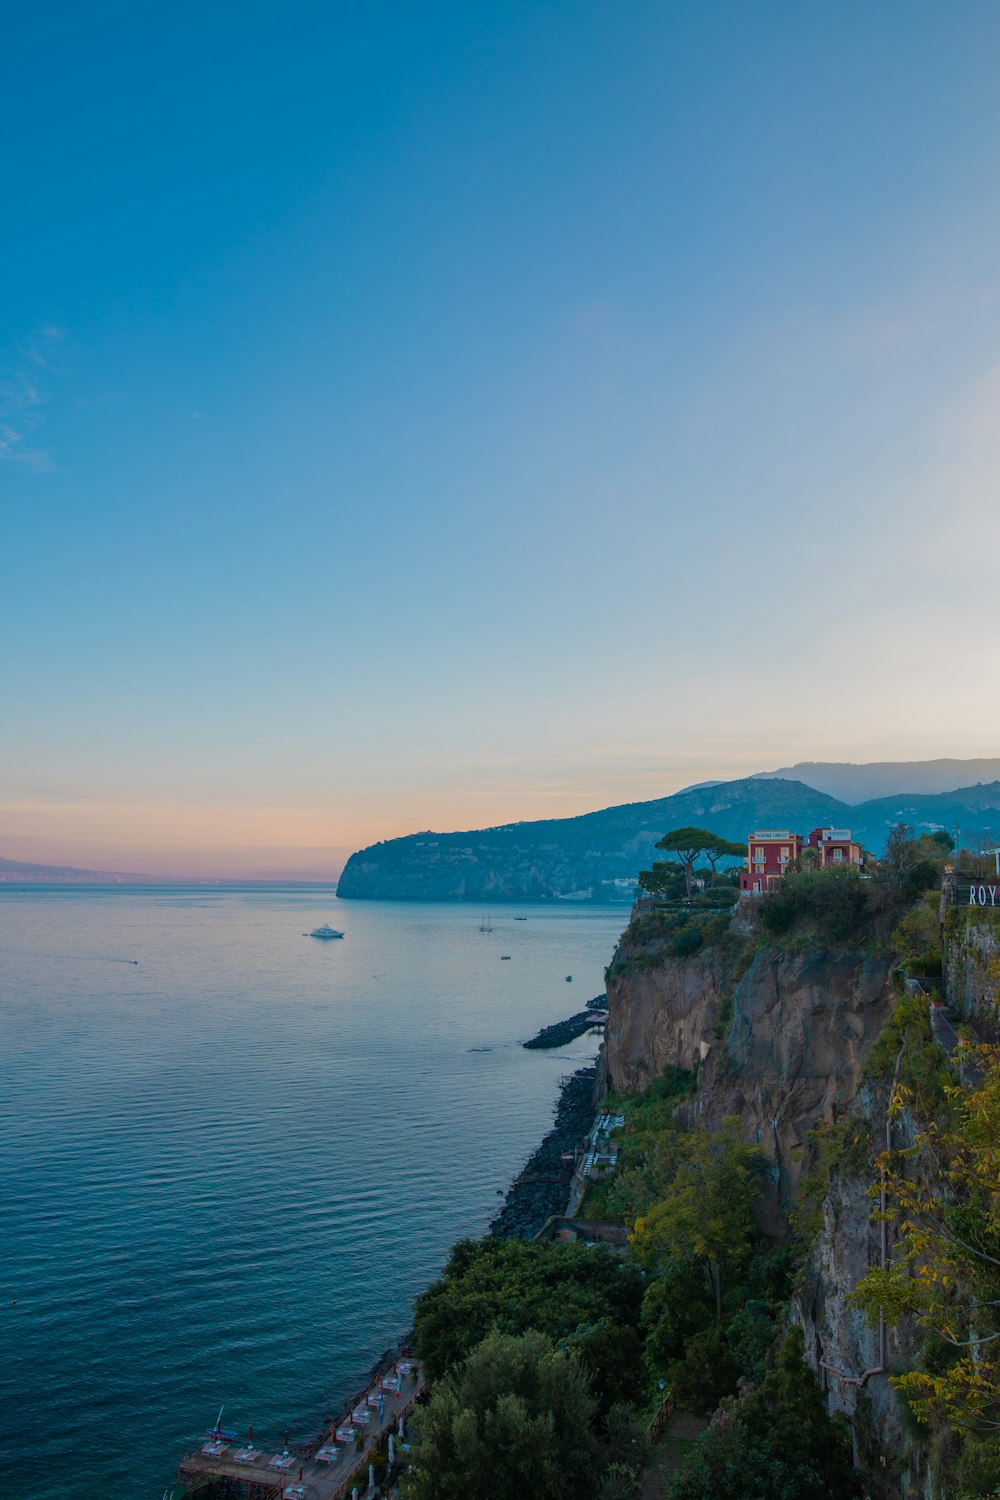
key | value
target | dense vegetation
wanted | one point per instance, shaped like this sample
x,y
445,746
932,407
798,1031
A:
x,y
776,1443
696,1305
514,1418
510,1286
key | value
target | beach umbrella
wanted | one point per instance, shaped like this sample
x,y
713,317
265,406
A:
x,y
371,1476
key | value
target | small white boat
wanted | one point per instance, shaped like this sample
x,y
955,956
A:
x,y
324,932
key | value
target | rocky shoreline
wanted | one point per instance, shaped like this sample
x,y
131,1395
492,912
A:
x,y
563,1032
542,1187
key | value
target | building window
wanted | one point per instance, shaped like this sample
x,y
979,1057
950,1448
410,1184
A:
x,y
838,856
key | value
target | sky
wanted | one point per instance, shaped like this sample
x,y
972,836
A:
x,y
435,415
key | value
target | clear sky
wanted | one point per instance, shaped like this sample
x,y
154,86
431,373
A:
x,y
429,415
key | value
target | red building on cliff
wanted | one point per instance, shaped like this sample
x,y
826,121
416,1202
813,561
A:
x,y
835,846
772,852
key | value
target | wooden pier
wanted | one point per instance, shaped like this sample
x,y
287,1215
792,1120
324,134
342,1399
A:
x,y
321,1471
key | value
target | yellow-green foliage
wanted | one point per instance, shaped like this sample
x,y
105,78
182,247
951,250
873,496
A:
x,y
707,1213
943,1198
923,1067
839,1145
916,940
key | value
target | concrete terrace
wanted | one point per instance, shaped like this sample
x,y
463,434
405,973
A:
x,y
324,1471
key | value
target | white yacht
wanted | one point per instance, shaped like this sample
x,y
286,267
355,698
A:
x,y
324,932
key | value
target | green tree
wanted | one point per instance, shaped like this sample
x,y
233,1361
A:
x,y
776,1443
666,880
627,1451
911,865
900,857
614,1358
677,1307
707,1372
691,844
722,848
916,940
708,1214
513,1420
514,1285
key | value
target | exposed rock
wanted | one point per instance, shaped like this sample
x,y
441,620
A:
x,y
781,1046
844,1351
560,1033
973,968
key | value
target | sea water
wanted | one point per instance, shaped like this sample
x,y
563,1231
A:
x,y
230,1154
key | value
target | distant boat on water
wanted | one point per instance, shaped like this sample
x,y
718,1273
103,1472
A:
x,y
486,924
324,932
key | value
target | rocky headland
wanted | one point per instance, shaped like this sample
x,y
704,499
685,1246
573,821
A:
x,y
595,857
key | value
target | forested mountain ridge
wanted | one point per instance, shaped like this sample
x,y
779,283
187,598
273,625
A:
x,y
597,856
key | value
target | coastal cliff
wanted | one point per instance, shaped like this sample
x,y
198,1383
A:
x,y
783,1039
845,1067
777,1039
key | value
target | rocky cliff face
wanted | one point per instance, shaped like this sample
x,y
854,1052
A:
x,y
781,1039
850,1358
780,1043
972,968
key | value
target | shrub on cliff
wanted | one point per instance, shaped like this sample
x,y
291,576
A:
x,y
775,1443
511,1286
916,940
513,1419
943,1199
833,906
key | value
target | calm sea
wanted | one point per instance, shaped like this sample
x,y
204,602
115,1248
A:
x,y
226,1169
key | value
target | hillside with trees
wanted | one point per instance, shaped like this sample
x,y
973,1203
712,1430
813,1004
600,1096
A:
x,y
598,855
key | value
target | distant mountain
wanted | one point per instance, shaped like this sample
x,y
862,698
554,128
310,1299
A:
x,y
18,869
884,778
971,808
595,856
598,855
21,872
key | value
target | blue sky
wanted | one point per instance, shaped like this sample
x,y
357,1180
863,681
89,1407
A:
x,y
438,415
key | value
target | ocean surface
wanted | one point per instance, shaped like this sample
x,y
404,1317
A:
x,y
227,1168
